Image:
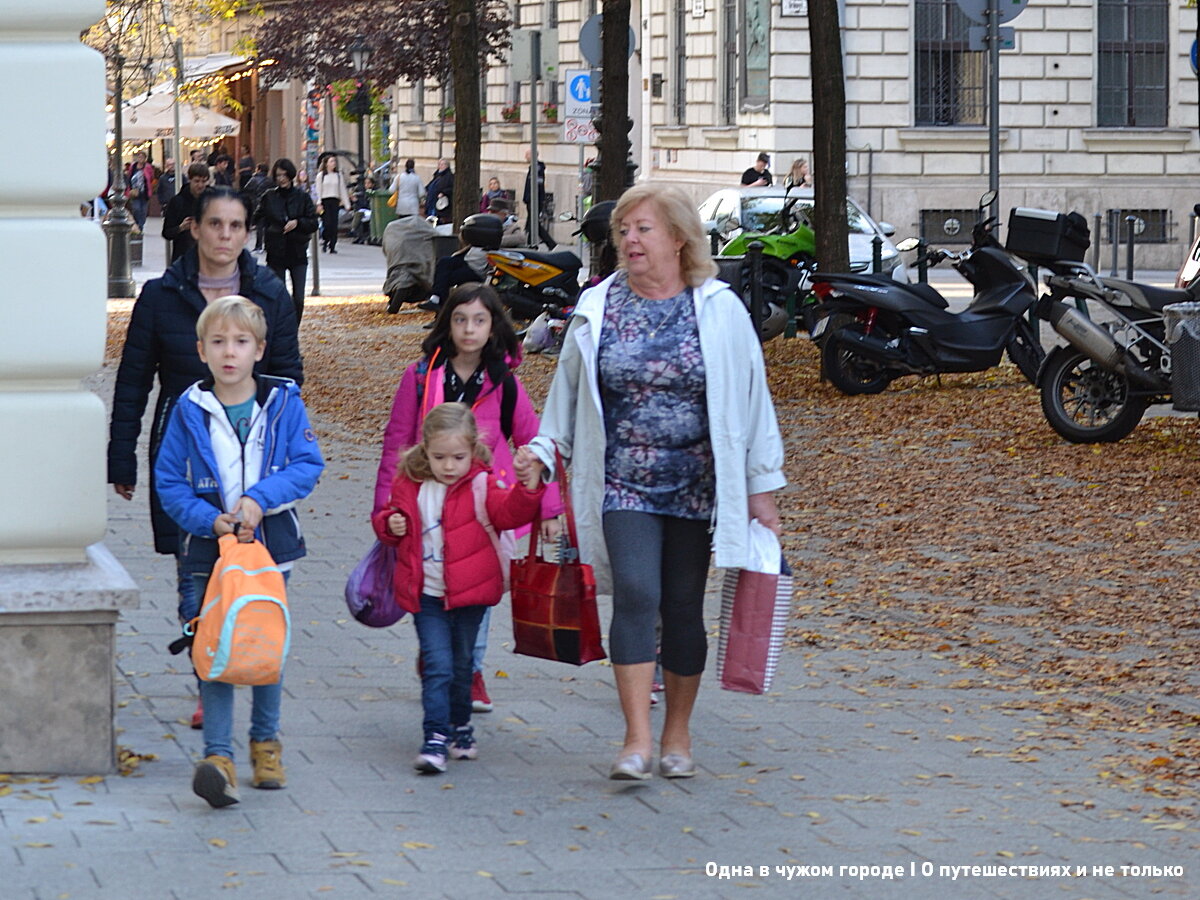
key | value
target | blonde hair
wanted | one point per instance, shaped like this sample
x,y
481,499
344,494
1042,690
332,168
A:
x,y
679,213
443,419
236,310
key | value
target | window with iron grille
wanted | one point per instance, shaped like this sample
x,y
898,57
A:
x,y
947,226
951,80
1153,226
679,64
755,53
1132,63
729,61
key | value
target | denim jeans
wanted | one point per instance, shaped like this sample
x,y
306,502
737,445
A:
x,y
217,698
447,638
189,601
481,640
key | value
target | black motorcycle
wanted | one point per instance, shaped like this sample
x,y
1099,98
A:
x,y
878,329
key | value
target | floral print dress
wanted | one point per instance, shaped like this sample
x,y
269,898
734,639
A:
x,y
652,385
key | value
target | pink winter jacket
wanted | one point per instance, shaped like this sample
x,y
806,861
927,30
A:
x,y
404,430
471,567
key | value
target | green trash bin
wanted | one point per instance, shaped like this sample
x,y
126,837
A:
x,y
381,214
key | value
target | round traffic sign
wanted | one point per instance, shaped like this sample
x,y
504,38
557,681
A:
x,y
977,10
589,41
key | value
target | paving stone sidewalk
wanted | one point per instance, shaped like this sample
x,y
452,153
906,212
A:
x,y
845,764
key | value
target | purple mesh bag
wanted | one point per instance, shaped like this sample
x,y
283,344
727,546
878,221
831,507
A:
x,y
369,593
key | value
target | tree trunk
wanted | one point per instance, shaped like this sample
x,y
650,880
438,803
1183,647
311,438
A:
x,y
829,136
464,61
614,100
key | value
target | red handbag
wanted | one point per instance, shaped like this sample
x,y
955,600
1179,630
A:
x,y
554,603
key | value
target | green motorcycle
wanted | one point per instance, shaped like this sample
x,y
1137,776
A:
x,y
787,266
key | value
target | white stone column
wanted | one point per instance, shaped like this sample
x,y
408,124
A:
x,y
60,589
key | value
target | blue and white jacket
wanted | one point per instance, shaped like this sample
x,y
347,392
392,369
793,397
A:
x,y
203,469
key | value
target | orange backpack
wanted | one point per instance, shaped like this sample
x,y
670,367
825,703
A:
x,y
243,631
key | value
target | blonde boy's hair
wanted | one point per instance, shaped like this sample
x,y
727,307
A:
x,y
445,418
236,310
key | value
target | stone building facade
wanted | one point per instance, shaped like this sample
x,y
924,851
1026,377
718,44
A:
x,y
1098,107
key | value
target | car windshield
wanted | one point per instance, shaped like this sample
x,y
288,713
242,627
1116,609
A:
x,y
762,214
857,222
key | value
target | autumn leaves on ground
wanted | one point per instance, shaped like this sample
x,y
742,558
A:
x,y
943,517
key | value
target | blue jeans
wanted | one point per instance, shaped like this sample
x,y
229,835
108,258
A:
x,y
481,640
447,638
217,698
189,600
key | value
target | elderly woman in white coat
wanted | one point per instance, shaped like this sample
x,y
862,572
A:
x,y
661,409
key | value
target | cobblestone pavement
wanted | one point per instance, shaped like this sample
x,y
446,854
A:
x,y
856,767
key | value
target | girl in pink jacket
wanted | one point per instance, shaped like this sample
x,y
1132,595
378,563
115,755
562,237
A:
x,y
470,357
442,515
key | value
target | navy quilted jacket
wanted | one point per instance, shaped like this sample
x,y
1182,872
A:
x,y
161,344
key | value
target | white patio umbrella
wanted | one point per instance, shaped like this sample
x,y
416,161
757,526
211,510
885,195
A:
x,y
150,117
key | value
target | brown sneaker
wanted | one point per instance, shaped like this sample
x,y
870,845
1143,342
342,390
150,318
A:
x,y
215,779
267,757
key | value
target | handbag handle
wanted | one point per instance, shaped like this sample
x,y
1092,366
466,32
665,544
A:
x,y
564,490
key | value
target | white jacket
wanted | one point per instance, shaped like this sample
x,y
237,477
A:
x,y
332,184
410,193
747,447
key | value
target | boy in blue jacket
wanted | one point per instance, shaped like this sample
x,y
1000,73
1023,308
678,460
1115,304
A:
x,y
237,454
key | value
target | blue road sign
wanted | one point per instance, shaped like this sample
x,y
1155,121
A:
x,y
581,84
578,100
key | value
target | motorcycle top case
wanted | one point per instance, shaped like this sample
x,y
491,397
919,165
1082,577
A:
x,y
482,230
1044,236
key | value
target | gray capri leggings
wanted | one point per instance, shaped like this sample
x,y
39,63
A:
x,y
659,567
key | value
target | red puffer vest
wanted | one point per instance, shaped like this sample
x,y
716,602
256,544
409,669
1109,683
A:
x,y
471,569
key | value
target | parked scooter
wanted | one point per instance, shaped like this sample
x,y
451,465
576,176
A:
x,y
902,329
529,281
545,333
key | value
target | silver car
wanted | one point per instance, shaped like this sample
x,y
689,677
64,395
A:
x,y
731,211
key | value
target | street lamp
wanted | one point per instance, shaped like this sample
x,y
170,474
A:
x,y
360,55
117,221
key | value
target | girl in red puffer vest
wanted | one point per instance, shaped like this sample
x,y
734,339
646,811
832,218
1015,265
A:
x,y
448,567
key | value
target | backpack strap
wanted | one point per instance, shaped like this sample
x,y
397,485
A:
x,y
479,488
508,404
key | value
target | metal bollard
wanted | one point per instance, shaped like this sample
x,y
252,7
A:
x,y
1130,222
1114,236
316,267
922,261
1097,234
877,254
754,257
714,243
